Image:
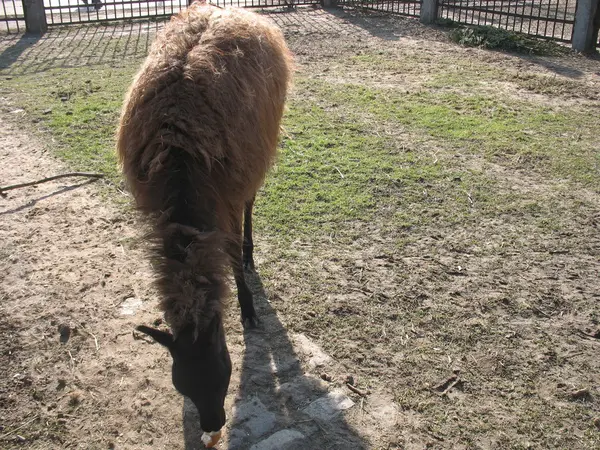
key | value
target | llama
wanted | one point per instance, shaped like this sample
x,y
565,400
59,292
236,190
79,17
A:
x,y
198,132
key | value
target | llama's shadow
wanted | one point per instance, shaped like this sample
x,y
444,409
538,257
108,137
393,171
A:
x,y
271,411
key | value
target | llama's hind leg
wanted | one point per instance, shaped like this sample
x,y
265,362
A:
x,y
245,299
248,246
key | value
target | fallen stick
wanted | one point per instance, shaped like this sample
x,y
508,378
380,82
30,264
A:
x,y
444,388
453,384
357,390
448,382
14,430
45,180
92,335
594,335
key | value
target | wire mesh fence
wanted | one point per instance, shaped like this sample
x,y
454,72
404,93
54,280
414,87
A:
x,y
544,18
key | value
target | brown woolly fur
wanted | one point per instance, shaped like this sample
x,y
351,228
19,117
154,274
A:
x,y
198,132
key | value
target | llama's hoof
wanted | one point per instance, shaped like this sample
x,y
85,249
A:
x,y
251,322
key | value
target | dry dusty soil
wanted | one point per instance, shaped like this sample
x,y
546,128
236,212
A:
x,y
74,282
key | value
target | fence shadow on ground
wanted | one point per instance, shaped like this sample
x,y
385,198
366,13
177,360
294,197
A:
x,y
391,27
74,46
119,42
273,394
338,23
563,67
15,47
113,43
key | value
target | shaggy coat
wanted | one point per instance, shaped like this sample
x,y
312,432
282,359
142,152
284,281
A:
x,y
198,132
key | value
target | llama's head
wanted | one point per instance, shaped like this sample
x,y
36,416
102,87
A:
x,y
201,368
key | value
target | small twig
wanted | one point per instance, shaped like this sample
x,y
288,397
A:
x,y
571,355
84,329
444,386
538,310
581,394
357,390
72,360
595,335
470,199
94,336
453,384
362,408
20,427
44,180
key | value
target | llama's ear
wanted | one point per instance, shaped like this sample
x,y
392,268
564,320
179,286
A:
x,y
162,337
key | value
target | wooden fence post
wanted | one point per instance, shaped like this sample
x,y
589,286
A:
x,y
584,33
35,16
429,11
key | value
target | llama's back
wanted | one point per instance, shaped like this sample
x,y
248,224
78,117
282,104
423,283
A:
x,y
197,135
207,103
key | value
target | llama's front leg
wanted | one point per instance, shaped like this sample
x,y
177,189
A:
x,y
248,246
249,317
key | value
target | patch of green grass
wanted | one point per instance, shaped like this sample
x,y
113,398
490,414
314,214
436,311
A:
x,y
473,75
333,172
389,62
339,166
80,109
336,168
452,73
514,133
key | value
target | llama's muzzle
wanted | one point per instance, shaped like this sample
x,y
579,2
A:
x,y
211,439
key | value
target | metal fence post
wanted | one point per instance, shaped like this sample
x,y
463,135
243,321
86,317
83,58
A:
x,y
429,11
35,16
583,29
329,3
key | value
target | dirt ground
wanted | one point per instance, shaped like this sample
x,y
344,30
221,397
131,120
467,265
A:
x,y
74,282
76,375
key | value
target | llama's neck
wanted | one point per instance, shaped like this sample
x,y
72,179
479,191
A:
x,y
192,281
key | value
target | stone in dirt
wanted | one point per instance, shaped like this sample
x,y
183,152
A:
x,y
65,332
282,440
253,417
328,406
383,410
302,390
130,306
315,356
